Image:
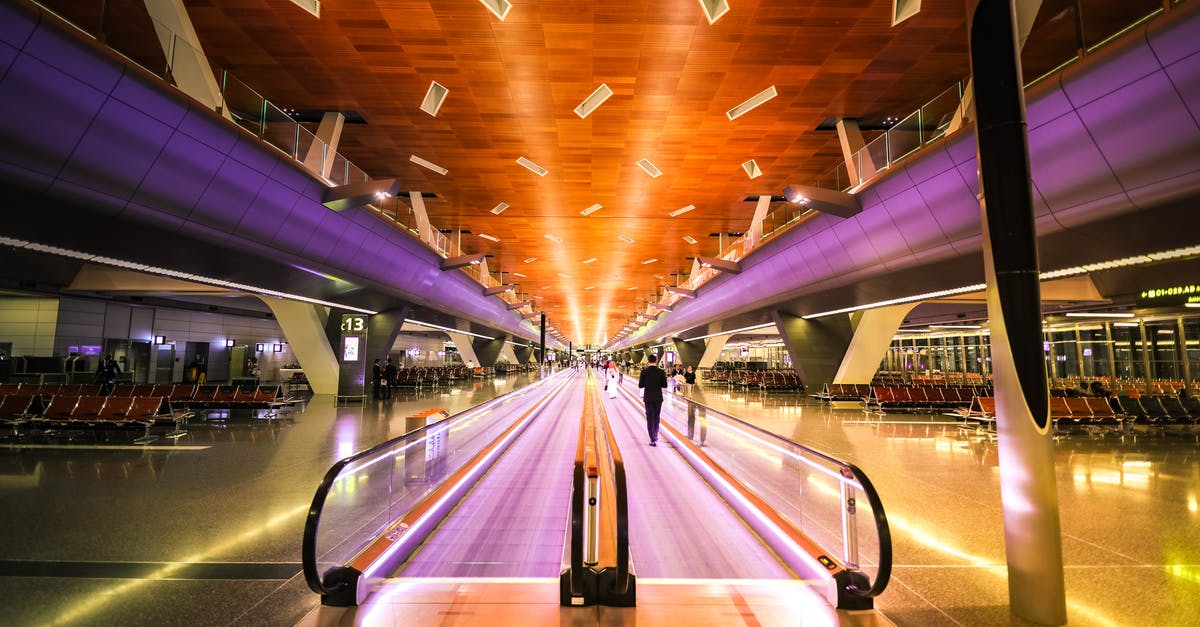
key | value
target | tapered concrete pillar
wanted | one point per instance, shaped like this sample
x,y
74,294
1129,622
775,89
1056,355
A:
x,y
756,222
689,352
1032,533
488,351
303,325
506,352
524,354
858,161
712,350
383,329
185,57
815,346
319,158
466,349
873,333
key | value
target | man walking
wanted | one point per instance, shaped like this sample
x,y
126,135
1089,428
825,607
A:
x,y
652,380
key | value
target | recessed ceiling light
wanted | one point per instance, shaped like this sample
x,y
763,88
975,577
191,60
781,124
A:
x,y
593,209
649,168
491,238
754,101
626,239
689,239
714,9
532,167
649,261
592,260
499,8
530,259
565,276
752,169
590,287
554,238
681,210
434,98
518,274
499,209
631,288
593,101
429,165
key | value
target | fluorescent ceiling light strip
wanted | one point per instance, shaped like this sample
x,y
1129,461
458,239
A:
x,y
592,260
532,167
429,165
593,102
1126,324
753,102
954,326
434,98
689,239
649,261
499,209
906,299
626,239
175,274
593,209
649,168
518,274
554,238
529,260
681,210
447,329
491,238
753,328
1096,314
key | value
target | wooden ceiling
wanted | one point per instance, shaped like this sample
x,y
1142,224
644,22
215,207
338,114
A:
x,y
513,86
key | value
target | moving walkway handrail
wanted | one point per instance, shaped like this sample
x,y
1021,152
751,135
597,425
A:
x,y
312,523
848,472
617,462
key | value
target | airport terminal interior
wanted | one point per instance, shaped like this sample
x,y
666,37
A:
x,y
478,312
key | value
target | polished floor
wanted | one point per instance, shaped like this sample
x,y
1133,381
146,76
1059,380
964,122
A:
x,y
205,529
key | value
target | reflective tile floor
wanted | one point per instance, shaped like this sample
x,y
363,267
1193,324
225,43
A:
x,y
205,529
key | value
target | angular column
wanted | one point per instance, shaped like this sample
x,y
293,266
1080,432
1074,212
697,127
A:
x,y
186,59
756,227
319,158
488,351
851,139
466,350
303,325
689,352
506,351
815,346
384,328
524,354
1028,490
873,333
712,350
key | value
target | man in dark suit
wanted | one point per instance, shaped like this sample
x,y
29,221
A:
x,y
377,379
652,380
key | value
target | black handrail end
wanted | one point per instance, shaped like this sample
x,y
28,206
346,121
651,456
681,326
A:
x,y
613,592
585,578
850,586
341,587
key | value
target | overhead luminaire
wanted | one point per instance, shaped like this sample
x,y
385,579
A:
x,y
681,291
593,209
689,239
714,9
428,165
827,201
434,98
754,102
499,8
518,274
724,265
752,169
590,287
649,261
498,289
529,260
1098,314
649,168
499,209
953,326
682,210
626,239
565,276
592,260
631,288
661,307
554,238
345,197
490,238
532,167
592,102
461,261
514,306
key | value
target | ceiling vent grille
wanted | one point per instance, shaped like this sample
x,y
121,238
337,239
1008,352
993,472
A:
x,y
754,102
499,8
429,165
649,168
682,210
752,169
554,238
499,209
626,239
434,98
904,9
532,167
689,239
714,9
490,238
593,209
592,102
314,6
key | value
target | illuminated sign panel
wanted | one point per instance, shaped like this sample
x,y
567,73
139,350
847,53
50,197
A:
x,y
1164,296
350,348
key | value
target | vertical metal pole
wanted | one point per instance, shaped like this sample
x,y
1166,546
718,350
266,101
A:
x,y
1147,384
542,344
1028,490
1112,356
1181,343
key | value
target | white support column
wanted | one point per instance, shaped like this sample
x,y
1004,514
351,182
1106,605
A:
x,y
851,139
304,329
319,159
873,333
712,350
189,65
1027,11
417,202
756,223
466,351
508,353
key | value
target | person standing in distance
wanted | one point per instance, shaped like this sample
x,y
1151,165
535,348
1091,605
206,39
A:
x,y
652,380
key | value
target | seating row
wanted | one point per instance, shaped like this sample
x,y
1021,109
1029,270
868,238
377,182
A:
x,y
74,412
1095,412
885,398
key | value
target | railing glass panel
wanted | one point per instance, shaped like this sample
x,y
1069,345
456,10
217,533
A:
x,y
280,130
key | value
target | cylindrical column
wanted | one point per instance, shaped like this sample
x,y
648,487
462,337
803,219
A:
x,y
542,342
1032,531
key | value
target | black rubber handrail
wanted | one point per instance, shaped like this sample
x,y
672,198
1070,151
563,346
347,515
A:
x,y
849,471
622,498
308,548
